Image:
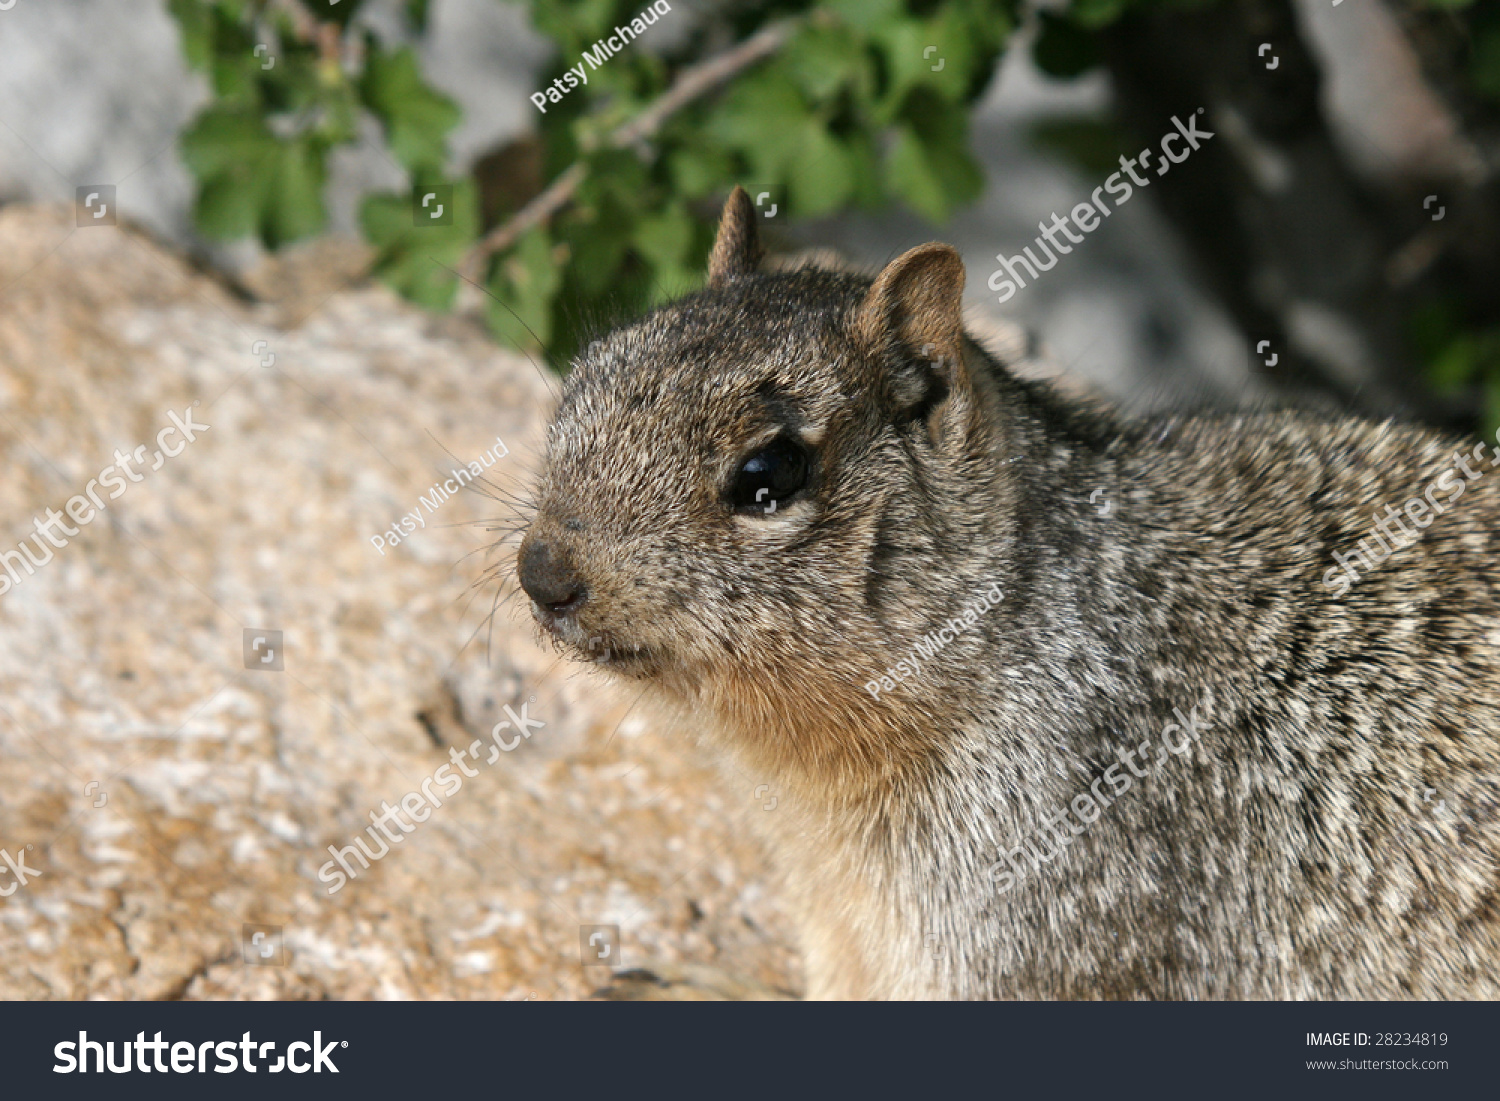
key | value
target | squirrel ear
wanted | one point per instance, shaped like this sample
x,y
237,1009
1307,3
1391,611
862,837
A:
x,y
737,249
917,300
915,309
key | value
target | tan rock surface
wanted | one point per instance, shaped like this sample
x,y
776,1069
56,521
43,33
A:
x,y
121,662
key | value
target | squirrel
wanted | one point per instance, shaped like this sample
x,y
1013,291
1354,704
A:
x,y
1057,703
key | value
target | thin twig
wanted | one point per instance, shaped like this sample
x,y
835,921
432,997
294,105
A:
x,y
689,85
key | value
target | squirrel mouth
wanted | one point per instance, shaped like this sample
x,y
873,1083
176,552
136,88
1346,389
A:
x,y
628,661
598,647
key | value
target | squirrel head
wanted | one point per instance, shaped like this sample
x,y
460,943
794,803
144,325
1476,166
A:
x,y
745,486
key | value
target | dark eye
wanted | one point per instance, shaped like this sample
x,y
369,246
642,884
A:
x,y
770,476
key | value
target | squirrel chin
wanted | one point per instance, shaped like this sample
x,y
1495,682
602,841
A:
x,y
636,663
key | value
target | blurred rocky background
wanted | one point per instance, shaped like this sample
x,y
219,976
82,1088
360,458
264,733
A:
x,y
169,794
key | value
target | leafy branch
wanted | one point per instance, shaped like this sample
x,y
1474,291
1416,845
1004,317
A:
x,y
847,103
689,85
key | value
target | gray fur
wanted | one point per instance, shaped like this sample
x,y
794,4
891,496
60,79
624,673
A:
x,y
1294,849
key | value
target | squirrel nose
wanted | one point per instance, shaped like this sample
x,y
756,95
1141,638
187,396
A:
x,y
549,579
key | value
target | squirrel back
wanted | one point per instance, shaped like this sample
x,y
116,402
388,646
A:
x,y
1056,703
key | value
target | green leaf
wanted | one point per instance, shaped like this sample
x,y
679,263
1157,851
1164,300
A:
x,y
294,203
865,15
615,175
576,25
599,238
416,117
699,169
524,284
755,119
228,206
819,179
821,60
909,174
664,238
669,281
252,181
195,21
236,70
929,165
863,158
416,258
914,49
222,138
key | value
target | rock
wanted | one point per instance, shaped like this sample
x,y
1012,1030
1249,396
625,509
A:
x,y
172,780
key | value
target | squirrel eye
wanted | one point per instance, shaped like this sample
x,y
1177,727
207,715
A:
x,y
770,476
